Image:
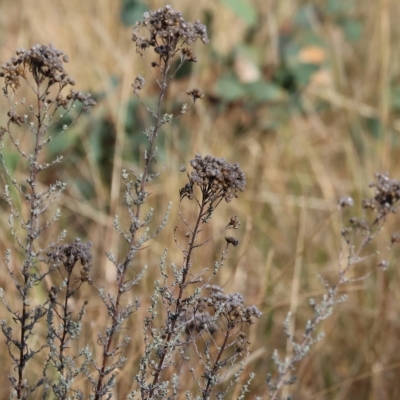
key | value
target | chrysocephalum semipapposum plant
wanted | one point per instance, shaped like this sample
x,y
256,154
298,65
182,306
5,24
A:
x,y
358,239
36,86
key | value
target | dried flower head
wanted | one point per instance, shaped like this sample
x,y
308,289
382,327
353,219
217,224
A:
x,y
231,306
234,222
231,240
42,62
217,178
387,194
167,33
16,118
395,237
188,55
197,322
138,83
69,254
84,98
195,93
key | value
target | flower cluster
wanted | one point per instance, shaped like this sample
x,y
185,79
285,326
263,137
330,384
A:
x,y
138,83
70,254
84,98
387,195
217,178
43,62
168,33
231,306
195,93
16,118
195,323
231,240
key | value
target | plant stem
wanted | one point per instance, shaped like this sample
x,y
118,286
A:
x,y
182,286
30,238
130,254
207,390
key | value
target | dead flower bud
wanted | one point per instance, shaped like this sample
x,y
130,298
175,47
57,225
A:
x,y
231,240
234,222
138,83
396,238
195,93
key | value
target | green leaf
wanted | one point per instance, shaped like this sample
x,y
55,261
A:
x,y
265,91
375,127
339,6
242,9
290,53
304,16
62,143
352,29
229,88
10,159
132,11
303,72
395,99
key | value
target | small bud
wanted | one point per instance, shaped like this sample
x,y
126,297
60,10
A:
x,y
231,240
138,83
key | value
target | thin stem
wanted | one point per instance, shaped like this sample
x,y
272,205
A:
x,y
207,390
31,237
65,319
182,286
332,293
130,254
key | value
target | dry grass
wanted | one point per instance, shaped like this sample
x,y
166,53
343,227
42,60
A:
x,y
290,229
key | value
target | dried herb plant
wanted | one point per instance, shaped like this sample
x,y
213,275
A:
x,y
195,334
204,326
358,238
169,36
41,69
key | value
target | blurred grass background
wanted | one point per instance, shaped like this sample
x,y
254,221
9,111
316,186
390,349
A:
x,y
305,95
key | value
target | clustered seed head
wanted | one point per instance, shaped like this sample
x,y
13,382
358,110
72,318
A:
x,y
43,62
167,33
195,93
395,237
16,118
234,222
196,323
70,254
231,306
241,344
231,240
138,83
217,178
84,98
188,55
387,195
